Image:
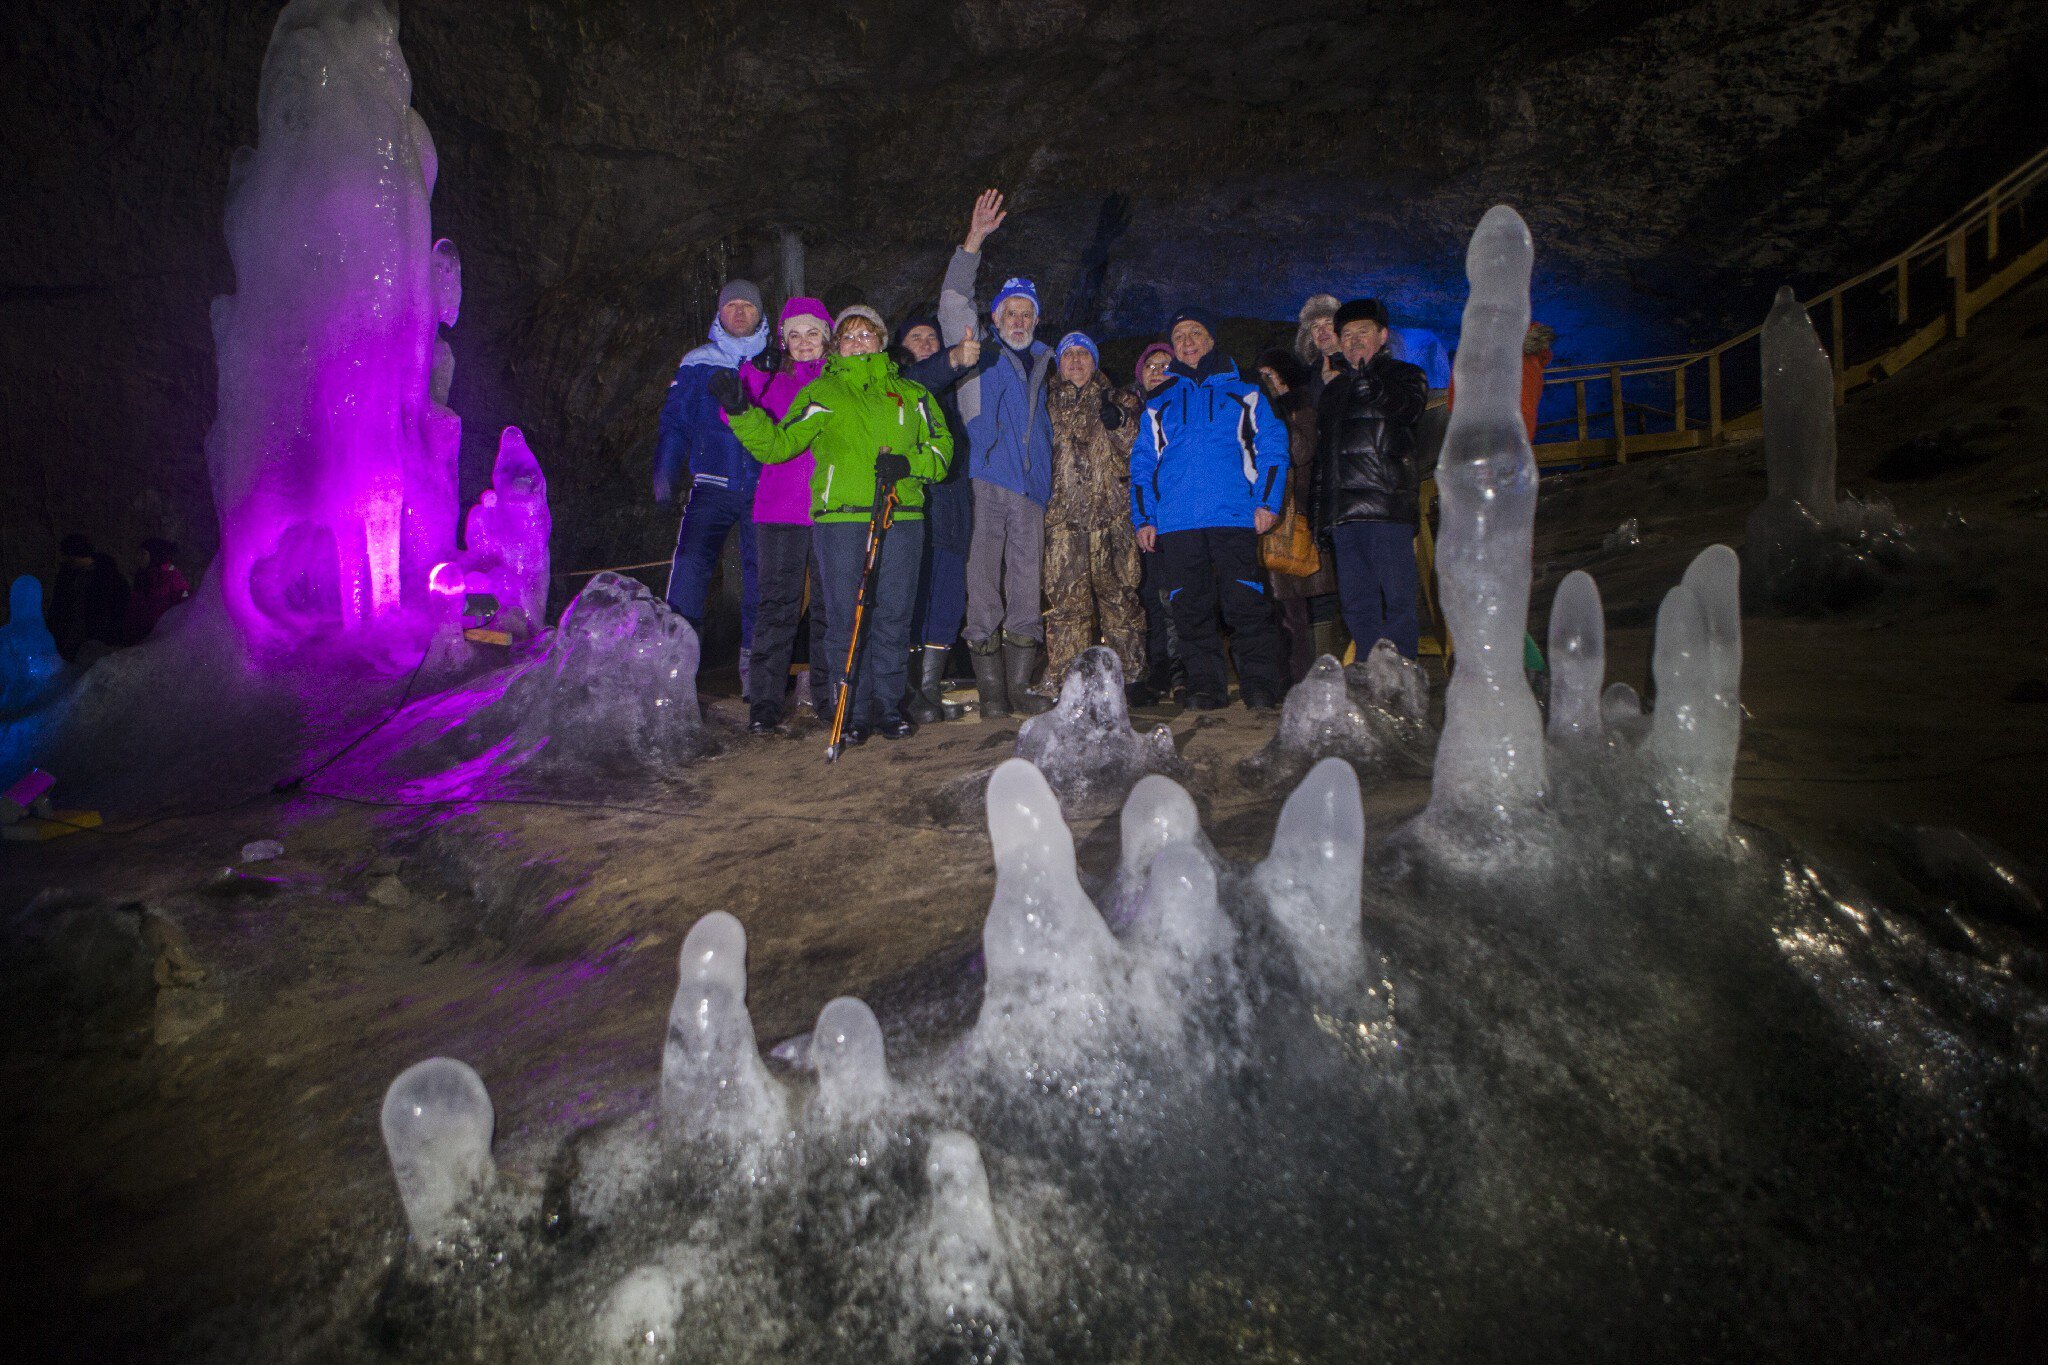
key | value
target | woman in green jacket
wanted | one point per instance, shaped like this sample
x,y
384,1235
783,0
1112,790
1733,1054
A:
x,y
862,421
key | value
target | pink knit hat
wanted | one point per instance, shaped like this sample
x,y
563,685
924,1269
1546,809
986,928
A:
x,y
804,308
1138,370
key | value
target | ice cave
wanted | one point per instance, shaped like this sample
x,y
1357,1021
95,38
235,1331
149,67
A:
x,y
1026,682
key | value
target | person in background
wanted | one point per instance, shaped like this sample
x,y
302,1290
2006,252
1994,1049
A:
x,y
941,605
917,339
1009,463
1315,343
695,441
1208,471
1536,353
1308,605
784,551
1367,501
90,600
159,586
1091,555
1164,675
865,425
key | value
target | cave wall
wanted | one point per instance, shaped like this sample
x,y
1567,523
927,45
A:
x,y
604,165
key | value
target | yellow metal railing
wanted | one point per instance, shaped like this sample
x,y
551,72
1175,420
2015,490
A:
x,y
1969,237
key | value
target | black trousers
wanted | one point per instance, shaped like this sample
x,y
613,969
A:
x,y
785,555
1219,566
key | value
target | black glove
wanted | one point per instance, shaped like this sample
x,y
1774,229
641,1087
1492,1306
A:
x,y
891,467
770,359
1112,414
729,392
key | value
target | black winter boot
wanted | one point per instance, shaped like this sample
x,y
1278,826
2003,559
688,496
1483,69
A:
x,y
988,677
918,703
1022,657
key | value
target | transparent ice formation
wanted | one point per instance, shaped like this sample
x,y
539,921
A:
x,y
1697,725
1578,659
261,850
1370,715
642,1312
714,1086
846,1051
1085,745
1312,878
437,1130
505,541
962,1273
30,669
1489,761
333,473
1157,814
1391,682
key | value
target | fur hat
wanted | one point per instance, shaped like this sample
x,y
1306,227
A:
x,y
1318,306
1540,338
1361,310
861,310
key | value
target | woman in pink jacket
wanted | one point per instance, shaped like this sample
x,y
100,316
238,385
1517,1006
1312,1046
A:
x,y
782,525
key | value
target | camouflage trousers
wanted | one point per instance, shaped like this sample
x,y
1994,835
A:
x,y
1091,582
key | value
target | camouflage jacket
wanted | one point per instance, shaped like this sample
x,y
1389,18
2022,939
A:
x,y
1091,467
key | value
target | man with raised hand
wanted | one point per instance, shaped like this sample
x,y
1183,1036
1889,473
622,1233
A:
x,y
696,441
1008,439
1208,471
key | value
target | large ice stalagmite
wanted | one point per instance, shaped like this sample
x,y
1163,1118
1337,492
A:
x,y
1799,410
1578,658
1697,724
713,1083
1490,759
333,475
437,1124
505,539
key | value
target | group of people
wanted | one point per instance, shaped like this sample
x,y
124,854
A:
x,y
93,601
1040,507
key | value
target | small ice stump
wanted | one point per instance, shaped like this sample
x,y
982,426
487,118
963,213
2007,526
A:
x,y
642,1311
1049,956
714,1085
450,655
614,695
1313,879
261,850
30,668
1085,745
960,1268
1807,547
506,536
437,1124
1180,942
1490,762
1390,681
1697,724
853,1070
1578,659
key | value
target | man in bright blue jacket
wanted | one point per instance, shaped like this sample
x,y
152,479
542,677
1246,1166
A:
x,y
696,441
1208,472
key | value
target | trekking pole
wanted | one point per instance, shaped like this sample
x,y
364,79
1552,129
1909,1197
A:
x,y
879,522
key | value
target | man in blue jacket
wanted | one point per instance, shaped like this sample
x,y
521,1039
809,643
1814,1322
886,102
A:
x,y
1208,472
696,441
1008,440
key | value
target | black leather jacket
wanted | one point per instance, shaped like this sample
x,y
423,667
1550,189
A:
x,y
1366,466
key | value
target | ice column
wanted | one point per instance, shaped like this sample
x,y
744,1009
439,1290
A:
x,y
335,502
29,662
1799,410
1312,880
853,1073
1578,658
1697,724
506,536
713,1082
437,1129
1491,755
964,1271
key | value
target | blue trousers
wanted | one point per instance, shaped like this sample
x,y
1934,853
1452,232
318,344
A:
x,y
885,648
941,596
1377,583
712,514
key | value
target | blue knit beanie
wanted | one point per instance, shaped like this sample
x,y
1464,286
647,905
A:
x,y
1076,339
1013,288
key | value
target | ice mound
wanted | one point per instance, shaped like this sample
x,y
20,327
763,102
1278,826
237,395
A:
x,y
1371,715
1805,547
31,672
505,540
1085,745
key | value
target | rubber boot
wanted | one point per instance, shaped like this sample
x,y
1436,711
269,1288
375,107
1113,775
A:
x,y
987,656
917,701
1022,658
932,675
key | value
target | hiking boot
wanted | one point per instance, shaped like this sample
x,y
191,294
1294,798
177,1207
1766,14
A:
x,y
1022,658
1204,701
988,678
895,727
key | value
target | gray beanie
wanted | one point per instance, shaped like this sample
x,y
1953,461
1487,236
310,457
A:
x,y
740,289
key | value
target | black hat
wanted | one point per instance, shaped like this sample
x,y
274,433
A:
x,y
1198,315
1362,310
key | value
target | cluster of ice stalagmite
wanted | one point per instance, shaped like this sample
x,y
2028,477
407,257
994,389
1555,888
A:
x,y
437,1130
1489,761
1807,546
505,540
1370,714
30,668
613,695
1085,745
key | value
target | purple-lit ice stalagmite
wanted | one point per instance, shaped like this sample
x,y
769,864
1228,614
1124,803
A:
x,y
332,472
506,536
1490,761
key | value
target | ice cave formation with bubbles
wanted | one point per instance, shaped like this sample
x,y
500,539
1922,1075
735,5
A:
x,y
1569,1058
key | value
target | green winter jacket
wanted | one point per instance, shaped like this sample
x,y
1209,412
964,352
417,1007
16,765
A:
x,y
857,408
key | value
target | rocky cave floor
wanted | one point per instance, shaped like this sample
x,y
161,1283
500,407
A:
x,y
193,1132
